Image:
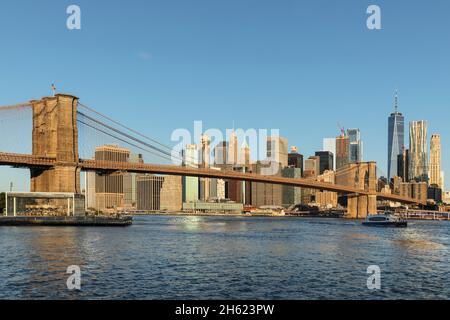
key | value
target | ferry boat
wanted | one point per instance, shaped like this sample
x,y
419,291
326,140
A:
x,y
269,211
387,219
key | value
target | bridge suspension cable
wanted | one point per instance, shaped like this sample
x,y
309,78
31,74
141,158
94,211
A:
x,y
122,140
16,106
124,134
125,127
165,150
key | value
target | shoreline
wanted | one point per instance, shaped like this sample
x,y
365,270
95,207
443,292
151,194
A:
x,y
200,214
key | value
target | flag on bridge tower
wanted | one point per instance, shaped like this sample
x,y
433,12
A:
x,y
53,89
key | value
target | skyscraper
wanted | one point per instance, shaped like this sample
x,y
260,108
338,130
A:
x,y
244,158
329,144
277,150
312,167
220,153
418,162
326,160
396,138
109,188
295,159
354,136
435,160
233,151
403,165
342,151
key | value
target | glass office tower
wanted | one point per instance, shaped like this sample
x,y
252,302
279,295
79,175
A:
x,y
396,139
354,136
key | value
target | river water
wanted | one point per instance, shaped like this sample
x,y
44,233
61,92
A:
x,y
178,257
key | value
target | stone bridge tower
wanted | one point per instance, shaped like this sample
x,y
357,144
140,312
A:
x,y
361,176
55,135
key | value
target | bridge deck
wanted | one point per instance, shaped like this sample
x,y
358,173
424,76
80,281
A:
x,y
21,160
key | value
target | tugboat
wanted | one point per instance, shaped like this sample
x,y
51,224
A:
x,y
387,219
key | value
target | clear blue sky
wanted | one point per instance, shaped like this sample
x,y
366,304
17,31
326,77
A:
x,y
300,66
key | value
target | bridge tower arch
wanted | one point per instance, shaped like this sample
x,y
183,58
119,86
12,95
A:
x,y
361,176
55,135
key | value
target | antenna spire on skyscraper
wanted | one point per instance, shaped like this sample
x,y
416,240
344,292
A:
x,y
396,101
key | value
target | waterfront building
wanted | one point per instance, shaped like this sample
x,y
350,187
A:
x,y
214,207
406,189
325,161
327,199
415,190
263,194
277,150
155,193
355,145
238,191
342,151
420,191
190,184
446,197
172,193
329,144
109,188
91,203
418,162
149,192
396,139
435,160
291,195
434,193
312,171
129,183
217,187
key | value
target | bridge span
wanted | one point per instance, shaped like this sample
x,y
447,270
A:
x,y
30,161
55,163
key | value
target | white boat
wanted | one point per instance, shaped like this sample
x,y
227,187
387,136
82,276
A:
x,y
387,219
270,210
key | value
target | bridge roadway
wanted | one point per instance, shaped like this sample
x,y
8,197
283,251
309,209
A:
x,y
28,161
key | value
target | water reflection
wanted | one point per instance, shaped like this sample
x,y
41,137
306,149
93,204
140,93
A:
x,y
163,257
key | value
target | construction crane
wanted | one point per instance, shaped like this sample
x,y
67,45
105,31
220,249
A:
x,y
342,129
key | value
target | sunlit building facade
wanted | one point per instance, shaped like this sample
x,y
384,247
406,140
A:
x,y
342,151
418,162
435,160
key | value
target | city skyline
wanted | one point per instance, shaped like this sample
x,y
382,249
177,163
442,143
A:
x,y
225,159
235,71
420,126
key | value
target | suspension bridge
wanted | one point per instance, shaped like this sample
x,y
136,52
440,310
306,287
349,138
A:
x,y
64,134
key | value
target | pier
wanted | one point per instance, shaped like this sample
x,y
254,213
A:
x,y
69,221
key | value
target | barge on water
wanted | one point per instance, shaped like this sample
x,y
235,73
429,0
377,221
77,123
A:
x,y
67,221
